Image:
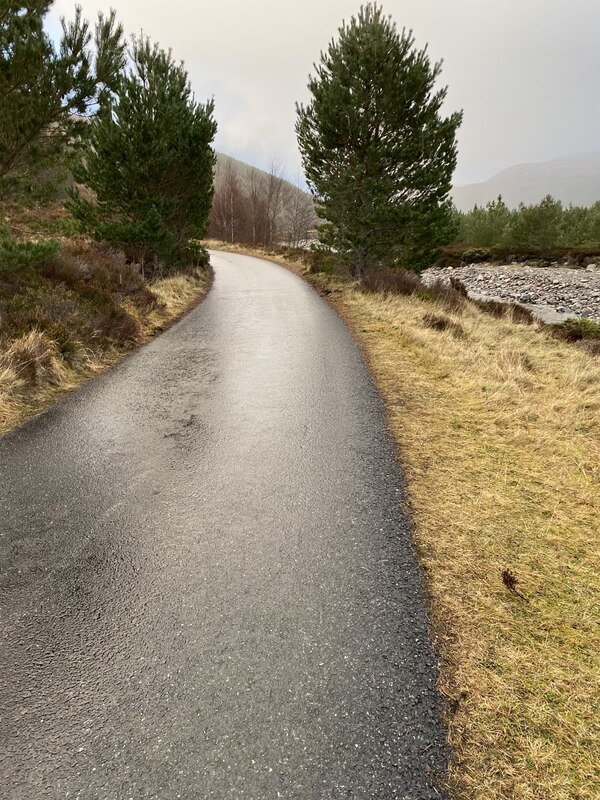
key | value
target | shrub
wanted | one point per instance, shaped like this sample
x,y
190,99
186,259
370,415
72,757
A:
x,y
476,255
19,256
119,326
575,330
458,286
591,346
195,254
521,314
63,269
393,281
322,260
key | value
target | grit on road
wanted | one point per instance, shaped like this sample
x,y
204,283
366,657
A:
x,y
208,584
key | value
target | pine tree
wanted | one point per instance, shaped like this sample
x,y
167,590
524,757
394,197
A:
x,y
377,154
46,92
149,162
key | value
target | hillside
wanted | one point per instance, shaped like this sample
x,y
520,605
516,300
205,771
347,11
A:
x,y
245,172
252,206
573,180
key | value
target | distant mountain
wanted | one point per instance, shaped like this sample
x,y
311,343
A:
x,y
574,179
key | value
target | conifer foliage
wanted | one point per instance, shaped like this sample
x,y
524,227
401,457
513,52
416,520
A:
x,y
377,153
149,162
46,92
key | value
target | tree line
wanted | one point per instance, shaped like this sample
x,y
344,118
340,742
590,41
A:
x,y
538,226
377,150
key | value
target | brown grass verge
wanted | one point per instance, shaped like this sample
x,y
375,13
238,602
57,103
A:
x,y
499,433
498,430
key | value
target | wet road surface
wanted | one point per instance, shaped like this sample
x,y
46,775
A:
x,y
207,584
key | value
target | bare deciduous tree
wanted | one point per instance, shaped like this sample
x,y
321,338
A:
x,y
228,211
300,216
258,208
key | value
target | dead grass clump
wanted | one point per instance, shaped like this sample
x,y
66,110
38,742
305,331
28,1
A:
x,y
119,326
439,322
591,346
34,359
447,295
521,315
458,286
512,311
173,295
391,281
9,382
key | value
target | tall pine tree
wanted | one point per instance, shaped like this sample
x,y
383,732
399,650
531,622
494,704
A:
x,y
149,162
377,154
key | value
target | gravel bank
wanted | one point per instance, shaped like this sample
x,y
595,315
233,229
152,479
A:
x,y
552,293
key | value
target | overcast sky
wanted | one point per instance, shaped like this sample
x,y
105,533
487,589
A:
x,y
525,72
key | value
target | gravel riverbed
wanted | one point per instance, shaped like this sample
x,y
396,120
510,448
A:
x,y
552,293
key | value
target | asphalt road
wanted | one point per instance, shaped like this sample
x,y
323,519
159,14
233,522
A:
x,y
207,583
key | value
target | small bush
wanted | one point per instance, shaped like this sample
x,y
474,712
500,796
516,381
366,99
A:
x,y
63,269
475,255
393,281
521,315
322,260
458,286
576,330
195,254
19,256
591,346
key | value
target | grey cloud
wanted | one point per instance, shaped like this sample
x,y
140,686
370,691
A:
x,y
524,71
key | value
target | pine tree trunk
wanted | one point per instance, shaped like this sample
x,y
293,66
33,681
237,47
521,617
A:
x,y
360,263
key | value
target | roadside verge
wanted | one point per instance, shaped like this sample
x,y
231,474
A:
x,y
75,313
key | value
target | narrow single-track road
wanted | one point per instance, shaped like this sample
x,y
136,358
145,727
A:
x,y
208,588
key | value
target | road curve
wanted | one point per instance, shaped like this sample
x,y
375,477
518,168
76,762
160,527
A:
x,y
207,583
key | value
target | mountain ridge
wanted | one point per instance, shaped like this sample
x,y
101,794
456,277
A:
x,y
571,179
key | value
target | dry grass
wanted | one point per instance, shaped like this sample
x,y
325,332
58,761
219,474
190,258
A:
x,y
72,316
177,293
499,432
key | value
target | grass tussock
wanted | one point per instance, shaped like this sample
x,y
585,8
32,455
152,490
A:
x,y
499,432
66,315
